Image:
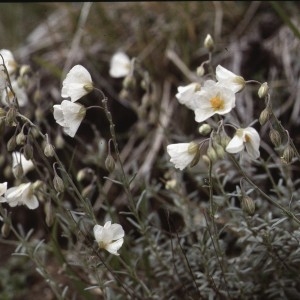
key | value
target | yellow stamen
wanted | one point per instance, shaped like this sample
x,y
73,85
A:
x,y
217,103
247,138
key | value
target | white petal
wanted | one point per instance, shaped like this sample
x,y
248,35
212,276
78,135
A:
x,y
31,202
235,145
9,60
18,157
74,83
58,115
98,229
230,80
252,142
3,188
115,246
179,155
119,65
187,95
117,231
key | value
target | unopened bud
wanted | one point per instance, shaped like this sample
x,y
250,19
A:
x,y
219,151
58,184
200,71
288,154
263,90
248,205
211,153
49,150
129,82
20,138
206,159
110,163
265,116
18,171
5,229
224,140
205,129
275,137
11,144
28,151
209,43
11,117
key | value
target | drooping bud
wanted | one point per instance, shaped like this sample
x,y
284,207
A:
x,y
211,153
205,129
49,150
275,137
200,71
18,171
11,117
219,150
20,138
11,144
110,163
248,205
263,90
209,43
28,151
58,184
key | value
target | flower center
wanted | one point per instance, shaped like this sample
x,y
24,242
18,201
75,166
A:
x,y
247,138
217,103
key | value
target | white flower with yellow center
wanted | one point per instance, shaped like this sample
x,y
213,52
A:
x,y
119,65
109,237
182,154
245,137
230,80
187,95
213,99
9,61
69,115
77,83
21,195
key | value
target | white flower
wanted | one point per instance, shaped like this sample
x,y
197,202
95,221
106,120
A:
x,y
19,158
119,65
109,237
9,61
245,137
77,83
230,80
22,195
187,95
213,99
8,96
182,154
69,115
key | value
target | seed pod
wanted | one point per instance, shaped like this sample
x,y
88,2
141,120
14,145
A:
x,y
11,144
28,151
110,163
264,116
275,137
11,117
49,150
20,138
288,154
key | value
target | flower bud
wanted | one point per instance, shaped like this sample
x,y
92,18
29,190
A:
x,y
18,171
248,205
28,151
275,137
206,159
200,71
265,116
129,82
263,90
110,163
20,138
219,150
209,43
211,153
11,117
5,229
58,184
205,129
288,154
11,144
49,150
